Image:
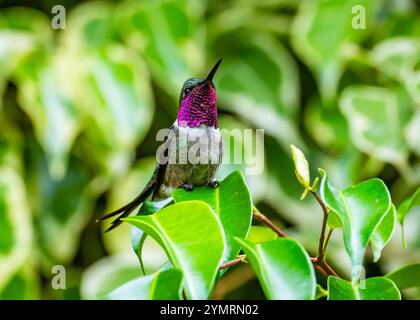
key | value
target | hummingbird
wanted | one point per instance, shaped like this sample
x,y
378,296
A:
x,y
192,150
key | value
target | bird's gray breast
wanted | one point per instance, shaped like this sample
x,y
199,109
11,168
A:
x,y
194,155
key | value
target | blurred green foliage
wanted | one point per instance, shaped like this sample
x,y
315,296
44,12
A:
x,y
80,108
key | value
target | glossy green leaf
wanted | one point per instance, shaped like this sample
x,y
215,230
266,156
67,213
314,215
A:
x,y
404,208
361,208
378,288
376,120
165,285
179,228
283,268
406,277
383,233
334,220
231,201
259,234
138,236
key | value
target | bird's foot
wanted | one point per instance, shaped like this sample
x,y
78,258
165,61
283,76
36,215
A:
x,y
187,187
213,184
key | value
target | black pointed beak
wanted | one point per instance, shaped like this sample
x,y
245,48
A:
x,y
211,74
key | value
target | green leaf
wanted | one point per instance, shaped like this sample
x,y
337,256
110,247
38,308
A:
x,y
412,84
15,228
326,125
376,120
334,220
301,168
138,236
404,208
165,285
186,231
259,234
91,27
406,277
107,274
231,201
383,233
63,206
51,109
120,105
283,268
170,36
361,208
412,132
24,285
396,57
378,288
323,36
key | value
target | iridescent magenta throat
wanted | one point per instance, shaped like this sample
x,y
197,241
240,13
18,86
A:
x,y
199,107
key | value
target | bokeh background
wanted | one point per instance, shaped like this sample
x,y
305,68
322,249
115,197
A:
x,y
80,108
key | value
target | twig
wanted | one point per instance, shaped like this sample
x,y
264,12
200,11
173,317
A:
x,y
324,266
321,270
262,218
321,252
321,203
231,263
329,269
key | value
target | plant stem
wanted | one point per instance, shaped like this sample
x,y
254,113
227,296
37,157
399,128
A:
x,y
329,269
262,218
231,263
321,270
321,252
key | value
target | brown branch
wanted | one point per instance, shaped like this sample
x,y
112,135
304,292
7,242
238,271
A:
x,y
323,242
262,218
321,270
321,246
321,203
327,267
231,263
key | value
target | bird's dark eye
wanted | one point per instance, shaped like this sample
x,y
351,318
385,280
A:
x,y
187,92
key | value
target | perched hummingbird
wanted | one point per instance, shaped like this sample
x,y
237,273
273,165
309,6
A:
x,y
196,129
